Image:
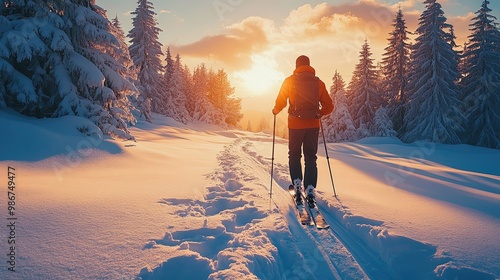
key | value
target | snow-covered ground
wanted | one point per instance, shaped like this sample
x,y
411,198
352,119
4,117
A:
x,y
192,202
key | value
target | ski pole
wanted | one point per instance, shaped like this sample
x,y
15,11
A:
x,y
327,157
272,160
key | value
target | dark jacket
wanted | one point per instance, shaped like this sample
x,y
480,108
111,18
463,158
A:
x,y
287,89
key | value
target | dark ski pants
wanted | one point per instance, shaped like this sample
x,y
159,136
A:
x,y
306,139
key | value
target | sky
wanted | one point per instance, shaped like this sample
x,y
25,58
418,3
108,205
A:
x,y
256,42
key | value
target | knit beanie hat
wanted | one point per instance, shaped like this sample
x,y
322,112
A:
x,y
302,60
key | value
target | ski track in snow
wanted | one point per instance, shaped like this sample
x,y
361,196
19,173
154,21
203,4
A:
x,y
326,246
236,240
221,223
239,199
238,246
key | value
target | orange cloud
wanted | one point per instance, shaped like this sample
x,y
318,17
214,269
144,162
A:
x,y
246,37
332,34
309,22
364,16
461,27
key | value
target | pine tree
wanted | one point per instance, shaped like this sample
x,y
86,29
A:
x,y
175,95
122,55
395,69
462,64
339,126
233,111
220,94
383,126
141,107
364,94
118,77
169,67
191,98
338,84
54,61
170,86
432,113
199,106
22,58
145,51
481,81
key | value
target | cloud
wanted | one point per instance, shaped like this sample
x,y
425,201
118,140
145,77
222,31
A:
x,y
336,31
308,22
363,19
165,12
304,26
461,26
407,5
234,48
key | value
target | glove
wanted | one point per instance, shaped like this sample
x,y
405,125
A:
x,y
274,112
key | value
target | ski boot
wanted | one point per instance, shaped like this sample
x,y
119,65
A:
x,y
310,197
297,183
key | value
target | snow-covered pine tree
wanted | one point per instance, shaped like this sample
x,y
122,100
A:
x,y
93,36
220,94
383,126
188,78
481,81
233,111
199,106
54,61
462,64
455,47
169,67
364,94
338,84
188,86
395,69
432,112
23,56
339,126
145,51
122,55
181,99
383,99
138,101
175,95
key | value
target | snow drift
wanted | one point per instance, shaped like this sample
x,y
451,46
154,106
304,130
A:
x,y
192,202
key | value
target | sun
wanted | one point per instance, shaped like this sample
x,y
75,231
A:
x,y
262,77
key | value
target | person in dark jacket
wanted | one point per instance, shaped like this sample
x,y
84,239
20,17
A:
x,y
309,101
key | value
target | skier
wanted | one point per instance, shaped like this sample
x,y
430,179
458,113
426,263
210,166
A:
x,y
309,101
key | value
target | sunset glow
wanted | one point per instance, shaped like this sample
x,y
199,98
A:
x,y
240,139
242,37
261,77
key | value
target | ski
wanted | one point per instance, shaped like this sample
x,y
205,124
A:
x,y
316,215
304,216
319,220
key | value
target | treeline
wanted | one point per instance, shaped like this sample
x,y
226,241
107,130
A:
x,y
427,90
170,88
65,57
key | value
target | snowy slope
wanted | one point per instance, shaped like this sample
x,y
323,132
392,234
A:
x,y
192,202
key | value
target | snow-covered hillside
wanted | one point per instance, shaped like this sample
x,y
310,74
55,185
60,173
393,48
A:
x,y
192,202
